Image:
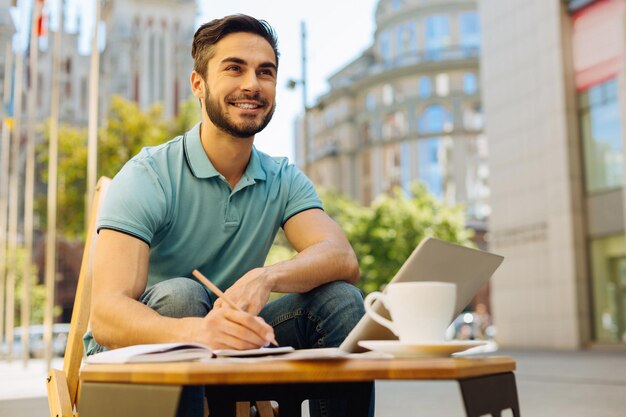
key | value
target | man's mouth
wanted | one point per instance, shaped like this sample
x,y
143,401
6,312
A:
x,y
247,106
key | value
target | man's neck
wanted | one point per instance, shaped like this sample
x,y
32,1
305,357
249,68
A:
x,y
229,155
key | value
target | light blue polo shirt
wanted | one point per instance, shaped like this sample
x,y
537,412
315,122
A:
x,y
171,197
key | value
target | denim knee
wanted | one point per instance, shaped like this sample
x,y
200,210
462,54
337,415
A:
x,y
339,306
178,297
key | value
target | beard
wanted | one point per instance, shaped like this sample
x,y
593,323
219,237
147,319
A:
x,y
221,119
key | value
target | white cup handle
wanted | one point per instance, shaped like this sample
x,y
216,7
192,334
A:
x,y
369,300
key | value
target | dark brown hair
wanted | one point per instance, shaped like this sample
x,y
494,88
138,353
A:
x,y
210,34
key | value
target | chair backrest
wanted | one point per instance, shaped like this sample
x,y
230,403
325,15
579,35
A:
x,y
80,312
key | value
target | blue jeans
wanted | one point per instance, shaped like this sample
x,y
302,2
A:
x,y
322,317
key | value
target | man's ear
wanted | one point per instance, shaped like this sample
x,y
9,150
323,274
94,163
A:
x,y
197,84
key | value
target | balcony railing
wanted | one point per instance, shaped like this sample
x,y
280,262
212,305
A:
x,y
456,53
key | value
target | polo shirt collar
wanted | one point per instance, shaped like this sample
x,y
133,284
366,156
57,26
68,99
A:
x,y
201,165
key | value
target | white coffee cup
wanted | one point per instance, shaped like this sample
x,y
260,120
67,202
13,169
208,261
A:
x,y
420,311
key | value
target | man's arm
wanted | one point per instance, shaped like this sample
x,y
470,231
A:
x,y
324,255
120,276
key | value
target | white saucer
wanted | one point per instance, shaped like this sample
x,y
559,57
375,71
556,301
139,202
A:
x,y
412,350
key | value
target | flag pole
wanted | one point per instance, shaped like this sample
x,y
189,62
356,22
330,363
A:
x,y
4,178
53,154
29,186
92,141
13,202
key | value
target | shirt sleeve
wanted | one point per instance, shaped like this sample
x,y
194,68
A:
x,y
302,195
135,203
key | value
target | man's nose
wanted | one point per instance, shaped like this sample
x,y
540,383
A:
x,y
251,82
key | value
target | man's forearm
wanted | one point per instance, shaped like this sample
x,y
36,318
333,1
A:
x,y
119,321
316,265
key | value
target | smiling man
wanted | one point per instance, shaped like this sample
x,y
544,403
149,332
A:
x,y
208,200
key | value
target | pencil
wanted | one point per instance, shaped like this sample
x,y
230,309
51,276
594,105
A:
x,y
219,293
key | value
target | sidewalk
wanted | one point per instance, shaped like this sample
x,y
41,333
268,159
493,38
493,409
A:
x,y
550,383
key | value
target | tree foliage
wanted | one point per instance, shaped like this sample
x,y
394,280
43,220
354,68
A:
x,y
384,234
127,130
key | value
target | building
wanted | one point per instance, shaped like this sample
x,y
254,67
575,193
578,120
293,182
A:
x,y
146,59
408,109
7,29
554,91
148,55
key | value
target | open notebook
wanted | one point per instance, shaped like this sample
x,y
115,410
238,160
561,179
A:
x,y
432,260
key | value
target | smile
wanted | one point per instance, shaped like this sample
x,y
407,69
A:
x,y
246,106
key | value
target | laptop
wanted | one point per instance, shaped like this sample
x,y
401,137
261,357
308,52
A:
x,y
432,260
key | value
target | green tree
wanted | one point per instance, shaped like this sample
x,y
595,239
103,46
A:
x,y
37,293
127,130
384,234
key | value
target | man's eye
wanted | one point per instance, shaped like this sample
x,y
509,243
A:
x,y
266,72
233,68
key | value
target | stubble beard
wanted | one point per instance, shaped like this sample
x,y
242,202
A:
x,y
243,130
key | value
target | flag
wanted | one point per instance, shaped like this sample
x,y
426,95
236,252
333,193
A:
x,y
42,22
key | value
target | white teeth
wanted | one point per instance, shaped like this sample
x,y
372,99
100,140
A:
x,y
246,105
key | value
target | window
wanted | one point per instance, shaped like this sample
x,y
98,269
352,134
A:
x,y
470,83
442,85
424,88
406,39
475,155
388,95
396,4
432,164
384,47
602,137
437,37
608,263
469,24
435,119
394,125
473,117
370,102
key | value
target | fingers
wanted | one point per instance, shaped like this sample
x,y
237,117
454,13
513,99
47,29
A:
x,y
234,329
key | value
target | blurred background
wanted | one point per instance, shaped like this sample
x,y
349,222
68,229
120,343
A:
x,y
497,124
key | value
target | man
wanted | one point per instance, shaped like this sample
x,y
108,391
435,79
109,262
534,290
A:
x,y
209,200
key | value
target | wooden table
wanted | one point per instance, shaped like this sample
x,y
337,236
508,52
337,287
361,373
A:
x,y
487,384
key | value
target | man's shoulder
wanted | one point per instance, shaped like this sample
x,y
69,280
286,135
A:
x,y
276,166
172,148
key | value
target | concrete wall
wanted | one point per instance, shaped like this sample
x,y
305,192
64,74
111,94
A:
x,y
539,294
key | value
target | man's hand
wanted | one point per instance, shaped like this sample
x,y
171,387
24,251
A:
x,y
227,328
250,292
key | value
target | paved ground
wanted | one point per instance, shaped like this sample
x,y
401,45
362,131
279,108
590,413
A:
x,y
564,384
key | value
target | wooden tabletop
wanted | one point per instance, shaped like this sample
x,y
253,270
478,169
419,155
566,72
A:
x,y
350,370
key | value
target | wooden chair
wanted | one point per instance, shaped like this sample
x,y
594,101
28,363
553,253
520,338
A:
x,y
62,385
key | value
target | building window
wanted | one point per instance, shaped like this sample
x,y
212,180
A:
x,y
608,264
473,117
370,102
406,39
476,177
388,95
435,119
469,27
437,36
384,47
602,137
394,125
423,87
433,164
470,83
442,85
